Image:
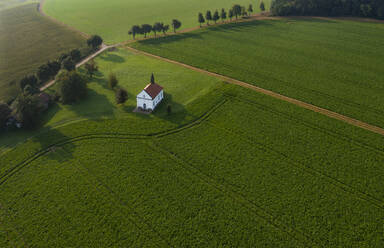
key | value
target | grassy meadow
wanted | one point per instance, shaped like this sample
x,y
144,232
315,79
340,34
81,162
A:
x,y
333,64
27,41
112,19
133,72
165,181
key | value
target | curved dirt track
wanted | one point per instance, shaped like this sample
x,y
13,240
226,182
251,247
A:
x,y
299,103
262,16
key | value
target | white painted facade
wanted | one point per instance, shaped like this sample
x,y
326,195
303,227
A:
x,y
145,101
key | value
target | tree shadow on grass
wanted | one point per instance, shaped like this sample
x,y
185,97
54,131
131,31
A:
x,y
178,112
111,57
171,39
52,141
94,104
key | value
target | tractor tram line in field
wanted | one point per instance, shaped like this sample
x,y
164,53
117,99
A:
x,y
124,136
259,211
306,169
299,103
87,173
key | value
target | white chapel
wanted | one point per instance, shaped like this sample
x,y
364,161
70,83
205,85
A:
x,y
150,97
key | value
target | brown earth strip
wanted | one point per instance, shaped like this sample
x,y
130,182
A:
x,y
302,104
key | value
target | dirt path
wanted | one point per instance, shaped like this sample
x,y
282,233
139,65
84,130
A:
x,y
263,16
102,49
299,103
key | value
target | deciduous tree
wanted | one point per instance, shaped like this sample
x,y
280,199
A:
x,y
28,110
216,16
75,55
95,41
121,96
28,80
135,30
208,16
112,80
176,24
72,87
236,10
201,19
68,64
223,15
230,14
91,68
262,6
146,29
250,9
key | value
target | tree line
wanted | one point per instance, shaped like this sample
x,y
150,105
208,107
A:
x,y
235,12
158,27
28,106
360,8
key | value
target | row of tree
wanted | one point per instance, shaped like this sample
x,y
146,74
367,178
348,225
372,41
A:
x,y
158,27
362,8
30,103
236,11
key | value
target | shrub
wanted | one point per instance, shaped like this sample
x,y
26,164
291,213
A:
x,y
112,81
121,96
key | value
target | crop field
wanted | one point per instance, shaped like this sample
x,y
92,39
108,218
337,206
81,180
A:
x,y
281,177
27,41
112,19
333,64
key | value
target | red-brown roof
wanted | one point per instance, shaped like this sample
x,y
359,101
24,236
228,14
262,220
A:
x,y
153,90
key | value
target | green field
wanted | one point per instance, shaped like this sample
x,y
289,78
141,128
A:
x,y
281,177
133,72
229,167
329,63
112,19
27,41
7,4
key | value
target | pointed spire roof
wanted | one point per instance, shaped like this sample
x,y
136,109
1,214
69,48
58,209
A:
x,y
152,79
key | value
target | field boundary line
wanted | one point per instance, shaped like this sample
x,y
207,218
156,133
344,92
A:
x,y
310,125
259,211
41,11
13,170
308,106
306,169
114,196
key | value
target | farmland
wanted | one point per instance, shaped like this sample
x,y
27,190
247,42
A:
x,y
138,182
20,55
333,64
133,72
224,166
112,19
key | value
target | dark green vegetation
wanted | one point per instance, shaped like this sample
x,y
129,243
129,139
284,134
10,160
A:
x,y
27,41
281,177
330,63
364,8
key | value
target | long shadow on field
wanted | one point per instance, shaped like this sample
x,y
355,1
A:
x,y
94,104
52,140
178,111
111,57
172,38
